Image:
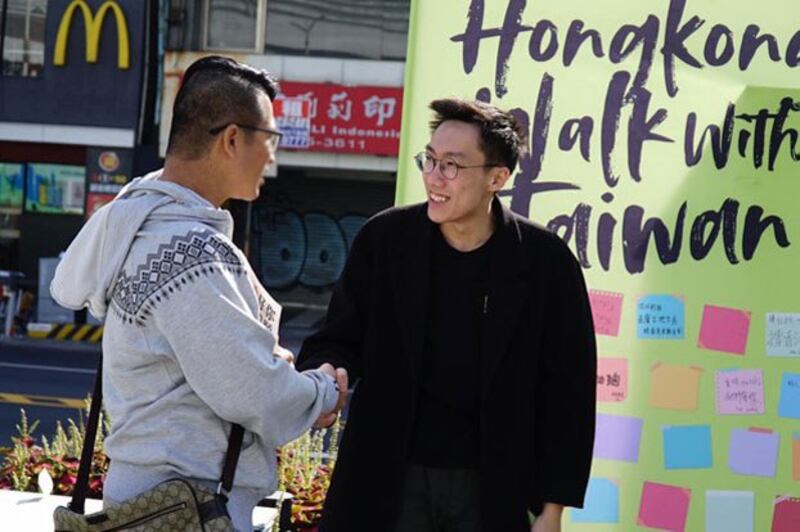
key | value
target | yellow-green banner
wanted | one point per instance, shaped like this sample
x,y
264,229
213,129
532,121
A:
x,y
663,146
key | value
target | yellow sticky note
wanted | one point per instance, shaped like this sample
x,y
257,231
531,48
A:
x,y
674,387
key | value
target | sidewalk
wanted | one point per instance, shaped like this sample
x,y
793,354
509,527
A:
x,y
34,512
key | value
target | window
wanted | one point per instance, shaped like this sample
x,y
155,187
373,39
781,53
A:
x,y
23,37
234,25
367,29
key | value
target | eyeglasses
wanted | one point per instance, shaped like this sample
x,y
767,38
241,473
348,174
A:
x,y
448,167
274,138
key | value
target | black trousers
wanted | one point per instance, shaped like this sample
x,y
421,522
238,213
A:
x,y
439,500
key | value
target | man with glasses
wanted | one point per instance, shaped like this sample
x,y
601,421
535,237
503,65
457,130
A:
x,y
190,344
469,331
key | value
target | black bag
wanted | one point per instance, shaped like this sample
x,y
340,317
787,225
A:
x,y
174,505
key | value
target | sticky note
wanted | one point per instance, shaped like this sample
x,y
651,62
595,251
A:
x,y
796,456
664,506
730,511
753,452
601,504
786,514
687,447
660,316
606,311
612,379
724,329
617,437
782,334
740,391
790,396
674,387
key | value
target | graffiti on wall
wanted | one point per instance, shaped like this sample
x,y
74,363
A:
x,y
308,249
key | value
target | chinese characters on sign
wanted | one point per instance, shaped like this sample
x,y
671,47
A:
x,y
339,119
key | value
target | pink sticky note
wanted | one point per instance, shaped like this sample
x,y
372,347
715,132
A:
x,y
740,391
724,329
606,311
612,379
664,506
786,516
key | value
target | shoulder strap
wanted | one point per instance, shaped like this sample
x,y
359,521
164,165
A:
x,y
79,493
82,483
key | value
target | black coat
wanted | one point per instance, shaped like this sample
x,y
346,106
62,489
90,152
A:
x,y
538,371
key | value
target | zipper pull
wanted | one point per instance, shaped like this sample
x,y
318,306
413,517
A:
x,y
485,305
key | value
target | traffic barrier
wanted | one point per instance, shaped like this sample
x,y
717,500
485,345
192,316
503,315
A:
x,y
75,332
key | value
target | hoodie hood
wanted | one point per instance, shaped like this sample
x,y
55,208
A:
x,y
88,269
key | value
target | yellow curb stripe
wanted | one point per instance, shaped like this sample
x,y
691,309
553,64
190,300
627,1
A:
x,y
14,398
96,336
42,400
81,332
54,331
63,333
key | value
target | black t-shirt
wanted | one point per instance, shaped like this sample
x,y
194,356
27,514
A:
x,y
446,431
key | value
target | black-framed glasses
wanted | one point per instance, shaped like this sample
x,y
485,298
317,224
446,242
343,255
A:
x,y
274,136
448,167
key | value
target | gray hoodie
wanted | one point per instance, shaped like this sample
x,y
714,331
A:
x,y
189,338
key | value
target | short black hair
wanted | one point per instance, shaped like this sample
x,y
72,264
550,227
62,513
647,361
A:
x,y
502,139
215,91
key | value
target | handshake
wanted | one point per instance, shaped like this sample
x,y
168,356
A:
x,y
340,376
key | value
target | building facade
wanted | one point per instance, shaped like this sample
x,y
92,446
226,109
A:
x,y
77,112
340,64
86,94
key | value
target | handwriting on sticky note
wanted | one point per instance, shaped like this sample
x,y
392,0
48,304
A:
x,y
612,379
724,329
782,335
606,311
660,316
740,391
789,405
675,387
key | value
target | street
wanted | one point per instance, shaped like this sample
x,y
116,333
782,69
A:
x,y
50,380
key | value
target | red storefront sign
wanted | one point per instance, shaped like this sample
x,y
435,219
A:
x,y
343,119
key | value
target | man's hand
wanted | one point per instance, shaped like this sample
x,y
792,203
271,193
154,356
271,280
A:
x,y
284,354
549,520
340,376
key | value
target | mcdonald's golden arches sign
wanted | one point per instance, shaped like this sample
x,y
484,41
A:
x,y
93,23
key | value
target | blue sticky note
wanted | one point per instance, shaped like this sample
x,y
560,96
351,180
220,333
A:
x,y
790,396
730,511
601,504
687,447
660,317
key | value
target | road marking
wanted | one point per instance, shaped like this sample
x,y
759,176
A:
x,y
42,400
47,368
